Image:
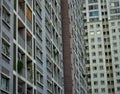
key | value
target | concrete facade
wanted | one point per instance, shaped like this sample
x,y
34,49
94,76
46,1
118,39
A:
x,y
31,47
102,19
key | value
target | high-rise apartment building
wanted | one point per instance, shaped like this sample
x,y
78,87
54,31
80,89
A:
x,y
102,35
73,47
31,47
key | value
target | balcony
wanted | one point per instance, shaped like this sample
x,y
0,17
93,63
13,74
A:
x,y
39,54
30,72
21,89
48,8
49,66
21,9
55,89
59,81
29,24
21,41
49,86
20,67
29,43
29,90
29,49
55,78
21,13
21,63
21,34
29,75
29,17
48,15
40,78
6,4
30,2
21,86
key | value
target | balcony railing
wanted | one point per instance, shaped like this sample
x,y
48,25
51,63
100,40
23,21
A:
x,y
21,41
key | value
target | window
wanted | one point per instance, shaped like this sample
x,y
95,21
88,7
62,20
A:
x,y
91,26
101,60
118,81
92,40
94,61
97,25
118,88
38,30
119,36
5,48
116,59
94,19
38,10
102,82
95,75
99,39
102,89
101,75
6,16
49,85
28,14
39,77
93,46
112,24
100,53
94,68
117,73
114,11
95,83
114,44
114,37
93,54
98,32
115,52
101,67
92,7
94,13
99,46
4,83
118,29
113,30
118,23
96,90
92,33
116,66
92,1
114,4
